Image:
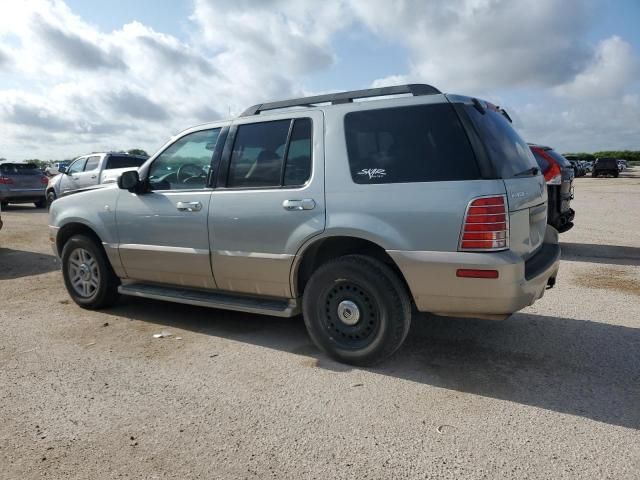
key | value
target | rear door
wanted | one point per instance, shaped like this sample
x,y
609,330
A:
x,y
523,180
268,202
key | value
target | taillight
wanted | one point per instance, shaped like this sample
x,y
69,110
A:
x,y
553,175
486,225
5,180
44,181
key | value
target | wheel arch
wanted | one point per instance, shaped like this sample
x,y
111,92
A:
x,y
75,228
320,250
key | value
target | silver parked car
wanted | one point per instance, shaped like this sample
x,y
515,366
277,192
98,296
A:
x,y
350,212
89,171
22,183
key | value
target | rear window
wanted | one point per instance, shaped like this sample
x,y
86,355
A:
x,y
423,143
558,158
542,162
123,162
509,153
19,169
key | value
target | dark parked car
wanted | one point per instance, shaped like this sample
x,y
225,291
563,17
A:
x,y
578,168
605,166
22,183
559,174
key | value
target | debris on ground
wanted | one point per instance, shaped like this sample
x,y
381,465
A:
x,y
162,334
443,428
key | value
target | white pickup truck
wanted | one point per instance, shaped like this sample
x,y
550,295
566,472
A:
x,y
91,170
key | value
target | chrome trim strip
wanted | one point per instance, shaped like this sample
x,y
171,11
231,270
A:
x,y
270,256
162,248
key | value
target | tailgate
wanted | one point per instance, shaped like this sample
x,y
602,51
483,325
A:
x,y
527,199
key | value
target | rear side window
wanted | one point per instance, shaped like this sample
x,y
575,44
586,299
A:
x,y
265,156
508,152
123,162
92,163
423,143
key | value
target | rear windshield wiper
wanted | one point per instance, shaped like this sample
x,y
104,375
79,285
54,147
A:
x,y
530,171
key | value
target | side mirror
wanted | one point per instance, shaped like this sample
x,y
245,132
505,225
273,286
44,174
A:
x,y
129,180
62,169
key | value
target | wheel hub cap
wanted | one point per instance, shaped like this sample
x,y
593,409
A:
x,y
348,312
83,272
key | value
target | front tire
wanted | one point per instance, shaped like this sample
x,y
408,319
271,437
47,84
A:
x,y
357,310
87,274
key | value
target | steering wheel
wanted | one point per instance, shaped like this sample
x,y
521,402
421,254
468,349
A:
x,y
187,171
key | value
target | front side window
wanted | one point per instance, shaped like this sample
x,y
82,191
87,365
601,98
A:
x,y
422,143
264,155
186,163
77,166
92,163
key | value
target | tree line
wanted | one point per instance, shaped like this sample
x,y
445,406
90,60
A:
x,y
46,163
629,155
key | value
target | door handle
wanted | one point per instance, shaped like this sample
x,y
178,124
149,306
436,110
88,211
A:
x,y
94,176
304,204
189,206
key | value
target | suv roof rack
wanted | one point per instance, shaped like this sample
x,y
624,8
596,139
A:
x,y
416,89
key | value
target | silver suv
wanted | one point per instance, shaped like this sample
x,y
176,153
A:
x,y
350,212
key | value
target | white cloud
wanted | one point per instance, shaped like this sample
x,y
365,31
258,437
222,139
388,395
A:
x,y
613,66
86,89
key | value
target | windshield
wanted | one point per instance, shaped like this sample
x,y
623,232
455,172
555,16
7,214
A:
x,y
509,153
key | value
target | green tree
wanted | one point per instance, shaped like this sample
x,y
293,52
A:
x,y
137,151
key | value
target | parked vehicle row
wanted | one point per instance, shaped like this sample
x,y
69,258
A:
x,y
352,213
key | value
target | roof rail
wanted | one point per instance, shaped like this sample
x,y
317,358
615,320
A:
x,y
416,89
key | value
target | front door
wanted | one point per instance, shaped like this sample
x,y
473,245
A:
x,y
269,200
70,179
163,233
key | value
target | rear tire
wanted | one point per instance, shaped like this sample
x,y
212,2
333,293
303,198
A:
x,y
356,310
4,204
87,274
51,196
594,175
40,203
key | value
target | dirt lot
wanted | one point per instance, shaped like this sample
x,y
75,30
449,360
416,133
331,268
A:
x,y
554,392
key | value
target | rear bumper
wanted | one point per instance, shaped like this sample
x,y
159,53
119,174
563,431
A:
x,y
436,288
22,195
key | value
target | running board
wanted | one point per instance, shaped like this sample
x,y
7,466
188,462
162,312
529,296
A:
x,y
226,301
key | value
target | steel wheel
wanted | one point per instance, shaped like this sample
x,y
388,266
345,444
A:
x,y
352,316
84,273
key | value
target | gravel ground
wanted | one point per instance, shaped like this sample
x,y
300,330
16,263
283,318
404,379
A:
x,y
553,392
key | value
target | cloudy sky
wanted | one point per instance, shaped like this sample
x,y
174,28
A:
x,y
89,75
